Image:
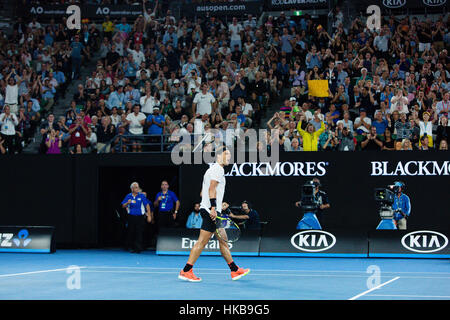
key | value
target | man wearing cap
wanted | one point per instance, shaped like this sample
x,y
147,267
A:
x,y
155,122
402,205
248,217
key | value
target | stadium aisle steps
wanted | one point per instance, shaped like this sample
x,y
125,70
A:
x,y
63,104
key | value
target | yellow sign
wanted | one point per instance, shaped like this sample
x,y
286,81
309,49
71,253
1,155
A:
x,y
318,88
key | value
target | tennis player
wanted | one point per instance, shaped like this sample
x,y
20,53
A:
x,y
213,190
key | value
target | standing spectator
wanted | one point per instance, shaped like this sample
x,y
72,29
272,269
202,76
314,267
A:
x,y
403,128
12,91
442,130
108,27
78,132
155,122
105,133
148,102
8,122
310,136
136,122
346,142
204,102
77,50
379,123
399,102
235,30
54,142
371,140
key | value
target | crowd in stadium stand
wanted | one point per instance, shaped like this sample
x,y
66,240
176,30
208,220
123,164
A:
x,y
158,77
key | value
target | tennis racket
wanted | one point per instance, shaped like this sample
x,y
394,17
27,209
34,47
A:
x,y
227,229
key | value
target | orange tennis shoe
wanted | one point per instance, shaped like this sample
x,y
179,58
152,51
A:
x,y
189,276
236,275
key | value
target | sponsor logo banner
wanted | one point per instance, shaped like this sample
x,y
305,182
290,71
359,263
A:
x,y
181,241
26,239
419,243
278,169
87,11
315,243
236,8
296,4
410,168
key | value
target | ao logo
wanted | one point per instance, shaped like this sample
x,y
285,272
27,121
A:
x,y
434,3
104,11
313,240
22,238
424,241
394,3
37,10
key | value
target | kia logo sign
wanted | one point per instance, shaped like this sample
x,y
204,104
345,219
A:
x,y
313,240
424,241
394,3
434,3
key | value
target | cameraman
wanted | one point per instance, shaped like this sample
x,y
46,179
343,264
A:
x,y
401,205
321,199
248,216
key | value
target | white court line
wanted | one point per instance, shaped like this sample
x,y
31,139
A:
x,y
254,273
277,270
221,273
406,296
374,288
34,272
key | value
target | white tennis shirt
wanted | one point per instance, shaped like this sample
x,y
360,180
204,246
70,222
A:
x,y
216,173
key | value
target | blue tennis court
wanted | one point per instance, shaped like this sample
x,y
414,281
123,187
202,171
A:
x,y
117,275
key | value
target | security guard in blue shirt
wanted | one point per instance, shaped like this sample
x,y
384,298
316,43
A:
x,y
168,204
139,211
401,205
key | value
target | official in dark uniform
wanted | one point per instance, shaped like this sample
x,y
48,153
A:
x,y
139,212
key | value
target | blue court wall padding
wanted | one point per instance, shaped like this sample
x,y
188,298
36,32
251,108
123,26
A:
x,y
317,243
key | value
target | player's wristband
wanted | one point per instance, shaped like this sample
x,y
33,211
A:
x,y
213,202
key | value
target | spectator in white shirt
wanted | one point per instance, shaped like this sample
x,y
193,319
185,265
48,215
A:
x,y
8,123
138,55
247,110
204,102
235,30
136,122
12,92
399,103
148,102
362,123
